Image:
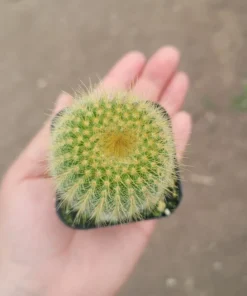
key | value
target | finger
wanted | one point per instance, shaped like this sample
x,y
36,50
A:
x,y
123,75
63,101
157,73
32,161
173,97
181,124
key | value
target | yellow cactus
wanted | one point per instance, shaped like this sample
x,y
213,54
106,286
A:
x,y
112,158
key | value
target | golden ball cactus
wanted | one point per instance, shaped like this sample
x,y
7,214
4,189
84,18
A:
x,y
113,161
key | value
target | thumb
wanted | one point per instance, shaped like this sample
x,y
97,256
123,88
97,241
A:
x,y
32,163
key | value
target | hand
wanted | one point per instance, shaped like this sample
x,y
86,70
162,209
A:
x,y
41,256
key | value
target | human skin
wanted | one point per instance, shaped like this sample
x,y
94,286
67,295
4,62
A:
x,y
39,255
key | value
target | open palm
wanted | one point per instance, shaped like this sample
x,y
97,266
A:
x,y
41,256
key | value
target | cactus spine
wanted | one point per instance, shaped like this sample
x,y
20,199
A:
x,y
112,158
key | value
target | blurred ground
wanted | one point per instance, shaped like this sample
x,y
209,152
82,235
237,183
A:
x,y
49,45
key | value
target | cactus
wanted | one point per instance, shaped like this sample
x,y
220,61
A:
x,y
113,160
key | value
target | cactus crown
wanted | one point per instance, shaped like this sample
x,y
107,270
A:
x,y
112,158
